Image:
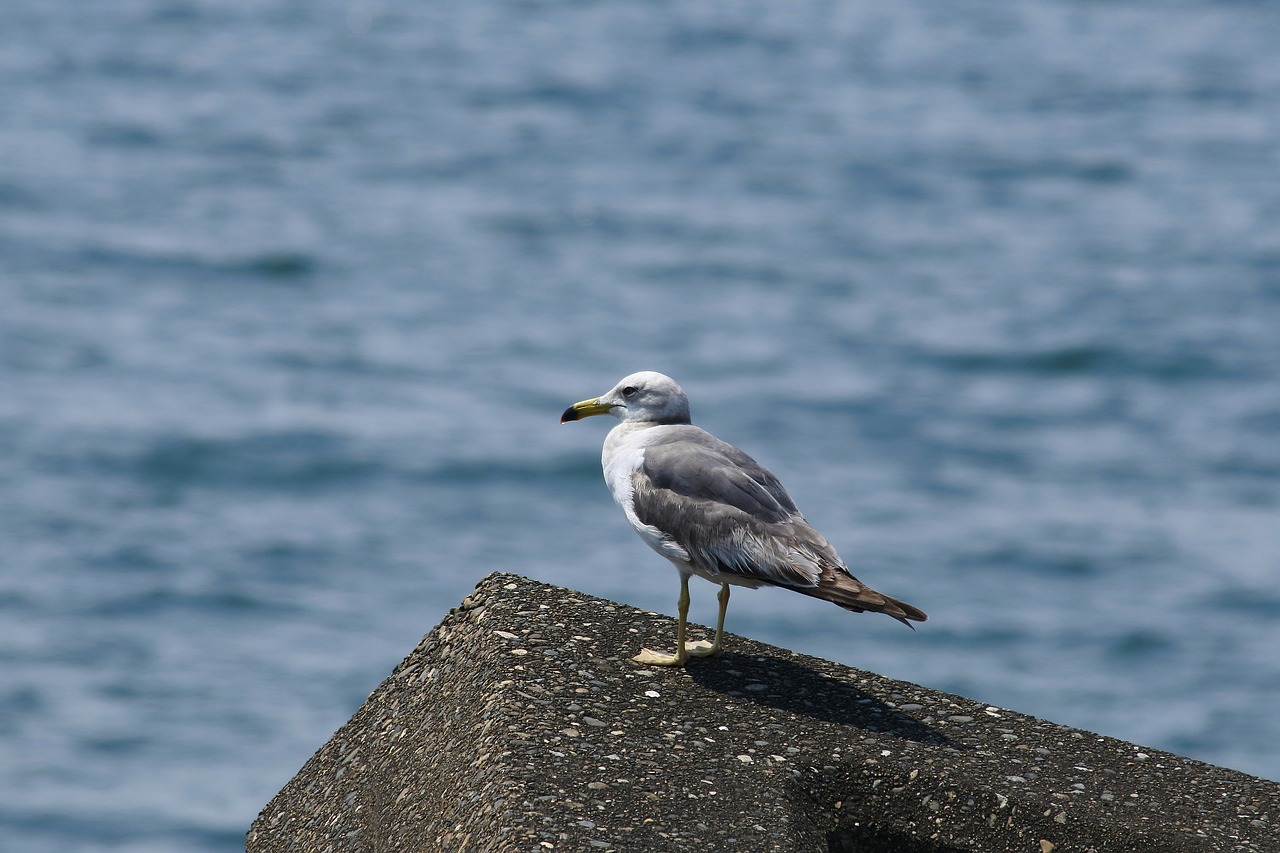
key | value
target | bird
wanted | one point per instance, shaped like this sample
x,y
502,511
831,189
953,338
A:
x,y
713,511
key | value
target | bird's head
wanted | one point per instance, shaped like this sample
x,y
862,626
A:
x,y
645,397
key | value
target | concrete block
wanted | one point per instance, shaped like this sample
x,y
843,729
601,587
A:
x,y
520,724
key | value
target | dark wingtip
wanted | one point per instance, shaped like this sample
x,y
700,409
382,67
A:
x,y
570,414
915,614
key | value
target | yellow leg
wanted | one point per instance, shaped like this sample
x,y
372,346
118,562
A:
x,y
681,657
686,650
707,650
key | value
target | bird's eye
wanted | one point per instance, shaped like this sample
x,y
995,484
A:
x,y
629,391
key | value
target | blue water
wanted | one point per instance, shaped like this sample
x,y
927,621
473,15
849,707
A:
x,y
292,295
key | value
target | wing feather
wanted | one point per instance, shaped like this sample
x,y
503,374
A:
x,y
727,512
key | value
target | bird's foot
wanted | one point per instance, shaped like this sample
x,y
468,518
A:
x,y
649,657
698,649
702,649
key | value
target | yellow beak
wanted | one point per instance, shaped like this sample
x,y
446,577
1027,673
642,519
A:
x,y
585,409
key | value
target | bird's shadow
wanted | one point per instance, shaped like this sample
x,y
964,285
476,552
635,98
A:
x,y
789,686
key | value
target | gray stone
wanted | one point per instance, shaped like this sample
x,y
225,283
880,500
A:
x,y
467,746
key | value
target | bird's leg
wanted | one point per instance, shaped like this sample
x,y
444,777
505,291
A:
x,y
702,650
681,657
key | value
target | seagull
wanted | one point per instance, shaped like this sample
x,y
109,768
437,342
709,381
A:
x,y
713,511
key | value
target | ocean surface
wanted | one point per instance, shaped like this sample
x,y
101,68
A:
x,y
293,292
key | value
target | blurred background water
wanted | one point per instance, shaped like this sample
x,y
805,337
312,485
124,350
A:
x,y
292,295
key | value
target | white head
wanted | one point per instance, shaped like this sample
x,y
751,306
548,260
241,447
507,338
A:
x,y
644,397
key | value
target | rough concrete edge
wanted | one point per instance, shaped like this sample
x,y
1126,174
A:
x,y
341,777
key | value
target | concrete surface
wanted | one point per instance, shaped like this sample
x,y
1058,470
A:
x,y
520,724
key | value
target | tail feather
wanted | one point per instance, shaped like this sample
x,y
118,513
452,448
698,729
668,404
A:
x,y
848,592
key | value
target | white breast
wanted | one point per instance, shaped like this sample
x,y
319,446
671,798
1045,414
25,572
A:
x,y
622,456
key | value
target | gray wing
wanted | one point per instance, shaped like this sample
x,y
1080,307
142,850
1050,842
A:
x,y
730,514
